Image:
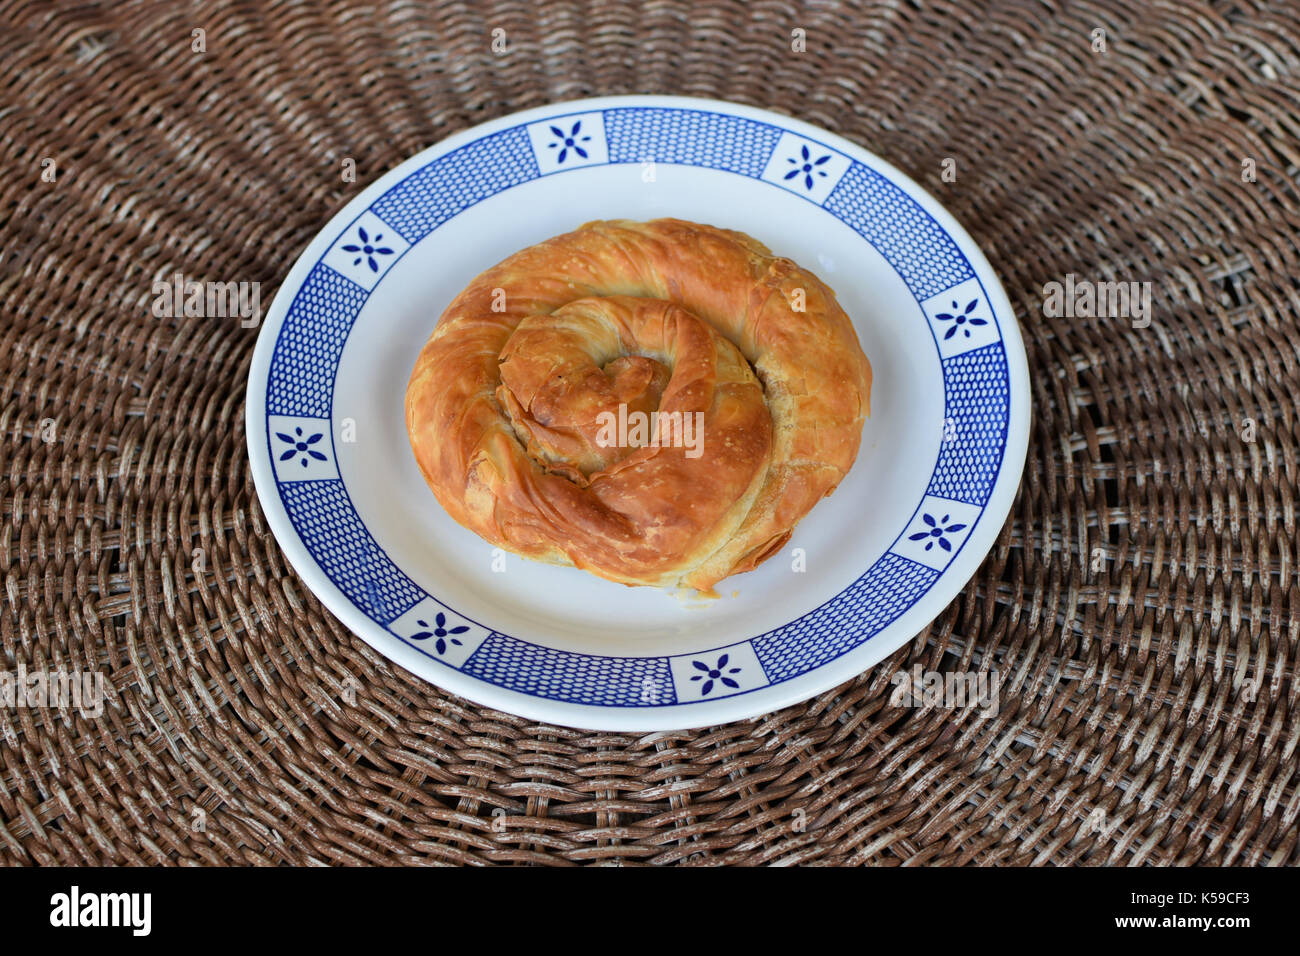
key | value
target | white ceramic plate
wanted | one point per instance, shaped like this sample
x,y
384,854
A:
x,y
865,571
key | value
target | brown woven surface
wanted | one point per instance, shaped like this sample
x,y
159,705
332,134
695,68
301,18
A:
x,y
1149,706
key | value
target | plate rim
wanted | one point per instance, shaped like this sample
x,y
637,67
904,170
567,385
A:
x,y
679,715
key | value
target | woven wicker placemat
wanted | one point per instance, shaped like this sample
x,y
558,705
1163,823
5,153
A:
x,y
1139,604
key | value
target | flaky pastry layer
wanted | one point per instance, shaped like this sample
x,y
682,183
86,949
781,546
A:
x,y
509,402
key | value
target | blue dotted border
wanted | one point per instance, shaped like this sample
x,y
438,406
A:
x,y
784,653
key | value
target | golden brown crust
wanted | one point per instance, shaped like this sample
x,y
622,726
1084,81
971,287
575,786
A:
x,y
503,407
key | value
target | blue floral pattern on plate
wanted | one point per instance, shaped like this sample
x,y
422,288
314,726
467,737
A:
x,y
960,318
367,250
920,249
939,532
569,141
441,631
807,166
715,672
300,444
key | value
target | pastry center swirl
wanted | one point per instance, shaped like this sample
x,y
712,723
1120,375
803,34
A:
x,y
614,381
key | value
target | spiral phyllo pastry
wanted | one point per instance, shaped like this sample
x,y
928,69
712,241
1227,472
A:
x,y
657,403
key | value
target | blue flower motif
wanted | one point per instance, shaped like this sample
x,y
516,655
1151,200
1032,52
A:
x,y
441,631
368,250
938,530
958,319
715,673
301,446
806,167
569,141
